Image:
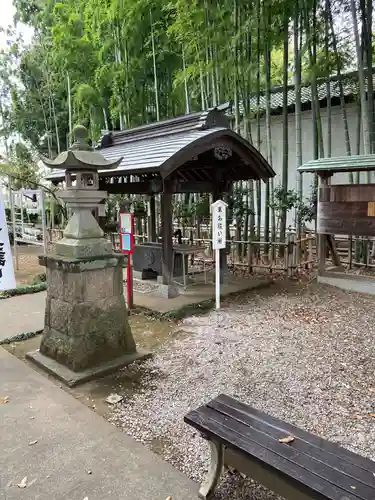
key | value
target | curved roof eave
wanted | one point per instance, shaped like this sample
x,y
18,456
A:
x,y
80,159
230,138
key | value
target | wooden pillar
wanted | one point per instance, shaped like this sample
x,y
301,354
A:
x,y
322,238
151,219
167,234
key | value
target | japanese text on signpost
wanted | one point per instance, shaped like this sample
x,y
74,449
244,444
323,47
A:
x,y
218,224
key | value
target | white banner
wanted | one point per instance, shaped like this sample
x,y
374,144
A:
x,y
7,279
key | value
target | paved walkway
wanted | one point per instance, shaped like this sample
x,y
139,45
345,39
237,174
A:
x,y
25,313
76,453
22,314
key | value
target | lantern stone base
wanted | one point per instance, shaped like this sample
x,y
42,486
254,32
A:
x,y
167,291
86,330
71,378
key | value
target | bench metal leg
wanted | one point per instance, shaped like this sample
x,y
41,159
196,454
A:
x,y
212,479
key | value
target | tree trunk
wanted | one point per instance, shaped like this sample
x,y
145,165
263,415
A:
x,y
267,62
156,89
328,84
298,127
70,110
285,133
361,81
258,182
339,76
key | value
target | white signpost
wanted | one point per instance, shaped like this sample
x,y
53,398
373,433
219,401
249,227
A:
x,y
7,279
219,224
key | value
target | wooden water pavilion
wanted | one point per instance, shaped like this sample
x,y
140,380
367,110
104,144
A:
x,y
194,153
343,209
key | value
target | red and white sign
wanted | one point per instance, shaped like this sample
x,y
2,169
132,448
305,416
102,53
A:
x,y
127,232
127,247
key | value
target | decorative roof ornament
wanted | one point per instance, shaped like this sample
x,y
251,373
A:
x,y
222,153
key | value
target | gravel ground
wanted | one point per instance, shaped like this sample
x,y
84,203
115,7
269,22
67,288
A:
x,y
304,354
143,286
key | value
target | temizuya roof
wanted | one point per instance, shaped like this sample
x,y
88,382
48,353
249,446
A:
x,y
165,146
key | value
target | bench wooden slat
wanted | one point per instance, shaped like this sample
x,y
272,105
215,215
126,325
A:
x,y
302,445
325,472
290,429
282,462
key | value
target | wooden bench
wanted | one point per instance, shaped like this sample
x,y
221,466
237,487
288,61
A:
x,y
307,467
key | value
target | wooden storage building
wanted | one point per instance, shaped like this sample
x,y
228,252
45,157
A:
x,y
343,209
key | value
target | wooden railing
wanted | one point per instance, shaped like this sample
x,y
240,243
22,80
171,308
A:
x,y
288,256
356,251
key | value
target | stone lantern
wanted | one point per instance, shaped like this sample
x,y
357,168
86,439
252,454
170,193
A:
x,y
86,331
83,236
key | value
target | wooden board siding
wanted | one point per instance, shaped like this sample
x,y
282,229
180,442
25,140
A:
x,y
347,209
347,193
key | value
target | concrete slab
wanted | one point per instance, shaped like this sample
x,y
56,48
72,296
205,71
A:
x,y
72,441
346,281
71,378
195,294
22,314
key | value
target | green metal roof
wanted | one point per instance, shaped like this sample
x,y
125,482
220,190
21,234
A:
x,y
340,164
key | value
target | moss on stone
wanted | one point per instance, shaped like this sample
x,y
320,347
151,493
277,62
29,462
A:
x,y
95,337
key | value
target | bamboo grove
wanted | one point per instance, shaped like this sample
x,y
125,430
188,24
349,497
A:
x,y
115,64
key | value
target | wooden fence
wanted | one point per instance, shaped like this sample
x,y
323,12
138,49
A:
x,y
251,256
356,252
288,256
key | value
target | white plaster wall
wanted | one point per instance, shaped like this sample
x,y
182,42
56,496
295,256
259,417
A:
x,y
338,145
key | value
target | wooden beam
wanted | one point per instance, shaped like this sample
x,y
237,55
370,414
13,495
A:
x,y
322,238
198,175
182,176
333,250
146,187
194,187
153,187
152,220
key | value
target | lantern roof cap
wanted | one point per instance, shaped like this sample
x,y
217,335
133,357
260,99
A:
x,y
80,156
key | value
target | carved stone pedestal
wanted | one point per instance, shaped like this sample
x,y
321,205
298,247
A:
x,y
86,332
